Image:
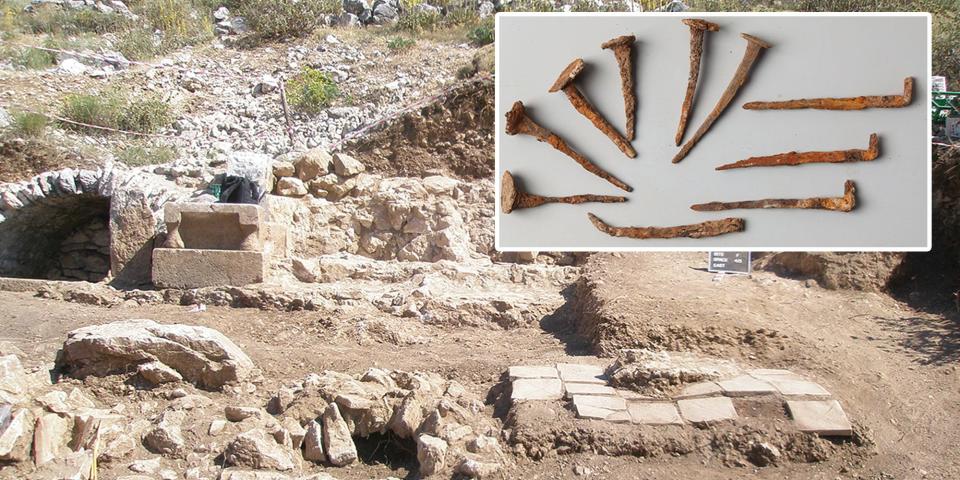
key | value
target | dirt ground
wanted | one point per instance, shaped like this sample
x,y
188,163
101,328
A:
x,y
893,368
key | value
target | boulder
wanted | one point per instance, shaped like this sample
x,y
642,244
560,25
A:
x,y
50,436
407,417
132,231
312,163
258,449
200,355
157,373
283,169
337,442
291,187
431,454
346,166
313,443
16,437
166,438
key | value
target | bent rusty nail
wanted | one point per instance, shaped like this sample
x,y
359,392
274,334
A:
x,y
845,203
565,82
519,122
750,55
697,29
512,196
710,228
800,158
622,47
849,103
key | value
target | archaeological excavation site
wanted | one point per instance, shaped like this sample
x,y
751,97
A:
x,y
255,240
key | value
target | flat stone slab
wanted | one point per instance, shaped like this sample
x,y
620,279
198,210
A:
x,y
707,410
588,389
189,268
595,407
631,395
524,371
537,389
746,385
790,387
762,373
572,372
823,417
702,389
654,413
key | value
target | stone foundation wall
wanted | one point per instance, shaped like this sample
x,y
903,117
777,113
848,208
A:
x,y
84,254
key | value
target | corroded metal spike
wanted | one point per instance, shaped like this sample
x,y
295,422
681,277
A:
x,y
845,203
512,196
710,228
849,103
800,158
565,83
697,29
622,47
750,55
518,122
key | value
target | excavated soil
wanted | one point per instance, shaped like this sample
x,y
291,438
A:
x,y
451,136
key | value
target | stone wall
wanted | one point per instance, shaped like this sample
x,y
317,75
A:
x,y
84,254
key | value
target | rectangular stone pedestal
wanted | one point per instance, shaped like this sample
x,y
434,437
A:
x,y
195,268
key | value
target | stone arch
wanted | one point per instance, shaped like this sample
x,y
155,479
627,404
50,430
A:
x,y
55,225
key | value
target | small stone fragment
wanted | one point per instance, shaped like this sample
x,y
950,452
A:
x,y
346,166
431,454
157,373
313,443
291,187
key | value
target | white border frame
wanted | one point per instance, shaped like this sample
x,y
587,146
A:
x,y
498,124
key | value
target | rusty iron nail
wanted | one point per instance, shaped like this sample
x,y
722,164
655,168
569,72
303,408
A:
x,y
849,103
800,158
518,122
750,55
710,228
565,82
845,203
622,48
697,29
513,197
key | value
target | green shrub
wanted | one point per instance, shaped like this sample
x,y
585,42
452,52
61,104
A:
x,y
56,20
140,155
311,90
29,125
138,45
531,6
482,34
398,44
418,22
458,17
34,58
112,110
287,18
179,21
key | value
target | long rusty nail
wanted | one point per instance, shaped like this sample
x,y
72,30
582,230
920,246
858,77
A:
x,y
750,55
565,82
512,196
849,103
519,122
845,203
697,29
710,228
622,47
800,158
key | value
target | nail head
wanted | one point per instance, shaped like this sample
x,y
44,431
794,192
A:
x,y
755,40
567,75
619,41
700,24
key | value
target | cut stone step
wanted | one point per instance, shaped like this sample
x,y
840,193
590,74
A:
x,y
537,389
523,371
707,410
654,413
588,389
571,372
600,408
823,417
789,387
746,385
702,389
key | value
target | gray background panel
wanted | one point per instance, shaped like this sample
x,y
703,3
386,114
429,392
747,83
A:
x,y
810,57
